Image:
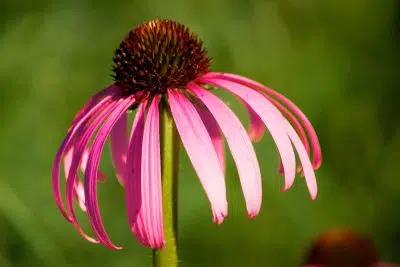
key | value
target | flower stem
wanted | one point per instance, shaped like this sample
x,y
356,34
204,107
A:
x,y
168,256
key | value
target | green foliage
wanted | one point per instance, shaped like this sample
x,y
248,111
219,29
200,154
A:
x,y
337,59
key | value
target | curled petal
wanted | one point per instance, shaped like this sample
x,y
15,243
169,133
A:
x,y
240,145
215,134
80,196
72,176
149,223
316,148
78,123
272,118
199,147
92,169
97,98
119,146
56,178
297,125
305,161
256,128
78,187
100,176
68,160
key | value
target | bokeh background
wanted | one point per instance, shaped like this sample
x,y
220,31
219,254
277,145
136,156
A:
x,y
338,60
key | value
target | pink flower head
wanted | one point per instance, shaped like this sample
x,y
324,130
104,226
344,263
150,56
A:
x,y
159,61
343,248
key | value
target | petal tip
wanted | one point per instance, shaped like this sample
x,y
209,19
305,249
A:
x,y
254,137
316,165
285,188
92,240
219,218
252,215
314,195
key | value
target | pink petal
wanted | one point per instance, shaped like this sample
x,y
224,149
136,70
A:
x,y
215,134
100,176
78,151
305,161
66,143
92,169
272,118
199,147
149,223
80,196
256,129
317,159
68,160
78,187
133,171
240,146
119,146
296,124
97,98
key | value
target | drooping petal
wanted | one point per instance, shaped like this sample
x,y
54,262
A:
x,y
78,187
256,128
78,193
66,143
98,97
149,223
68,160
272,118
199,147
133,187
297,125
92,169
56,177
215,134
305,161
316,148
119,146
100,176
240,145
78,151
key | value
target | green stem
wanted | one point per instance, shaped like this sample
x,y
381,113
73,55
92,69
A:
x,y
168,256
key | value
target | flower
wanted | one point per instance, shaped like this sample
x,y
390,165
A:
x,y
339,247
161,61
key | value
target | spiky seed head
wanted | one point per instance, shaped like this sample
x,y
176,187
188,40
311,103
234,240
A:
x,y
157,55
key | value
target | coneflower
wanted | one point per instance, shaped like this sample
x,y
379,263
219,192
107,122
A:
x,y
339,247
162,71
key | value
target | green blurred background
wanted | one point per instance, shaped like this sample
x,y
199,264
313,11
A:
x,y
338,60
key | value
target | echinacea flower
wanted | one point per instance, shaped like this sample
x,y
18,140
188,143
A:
x,y
339,247
161,62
